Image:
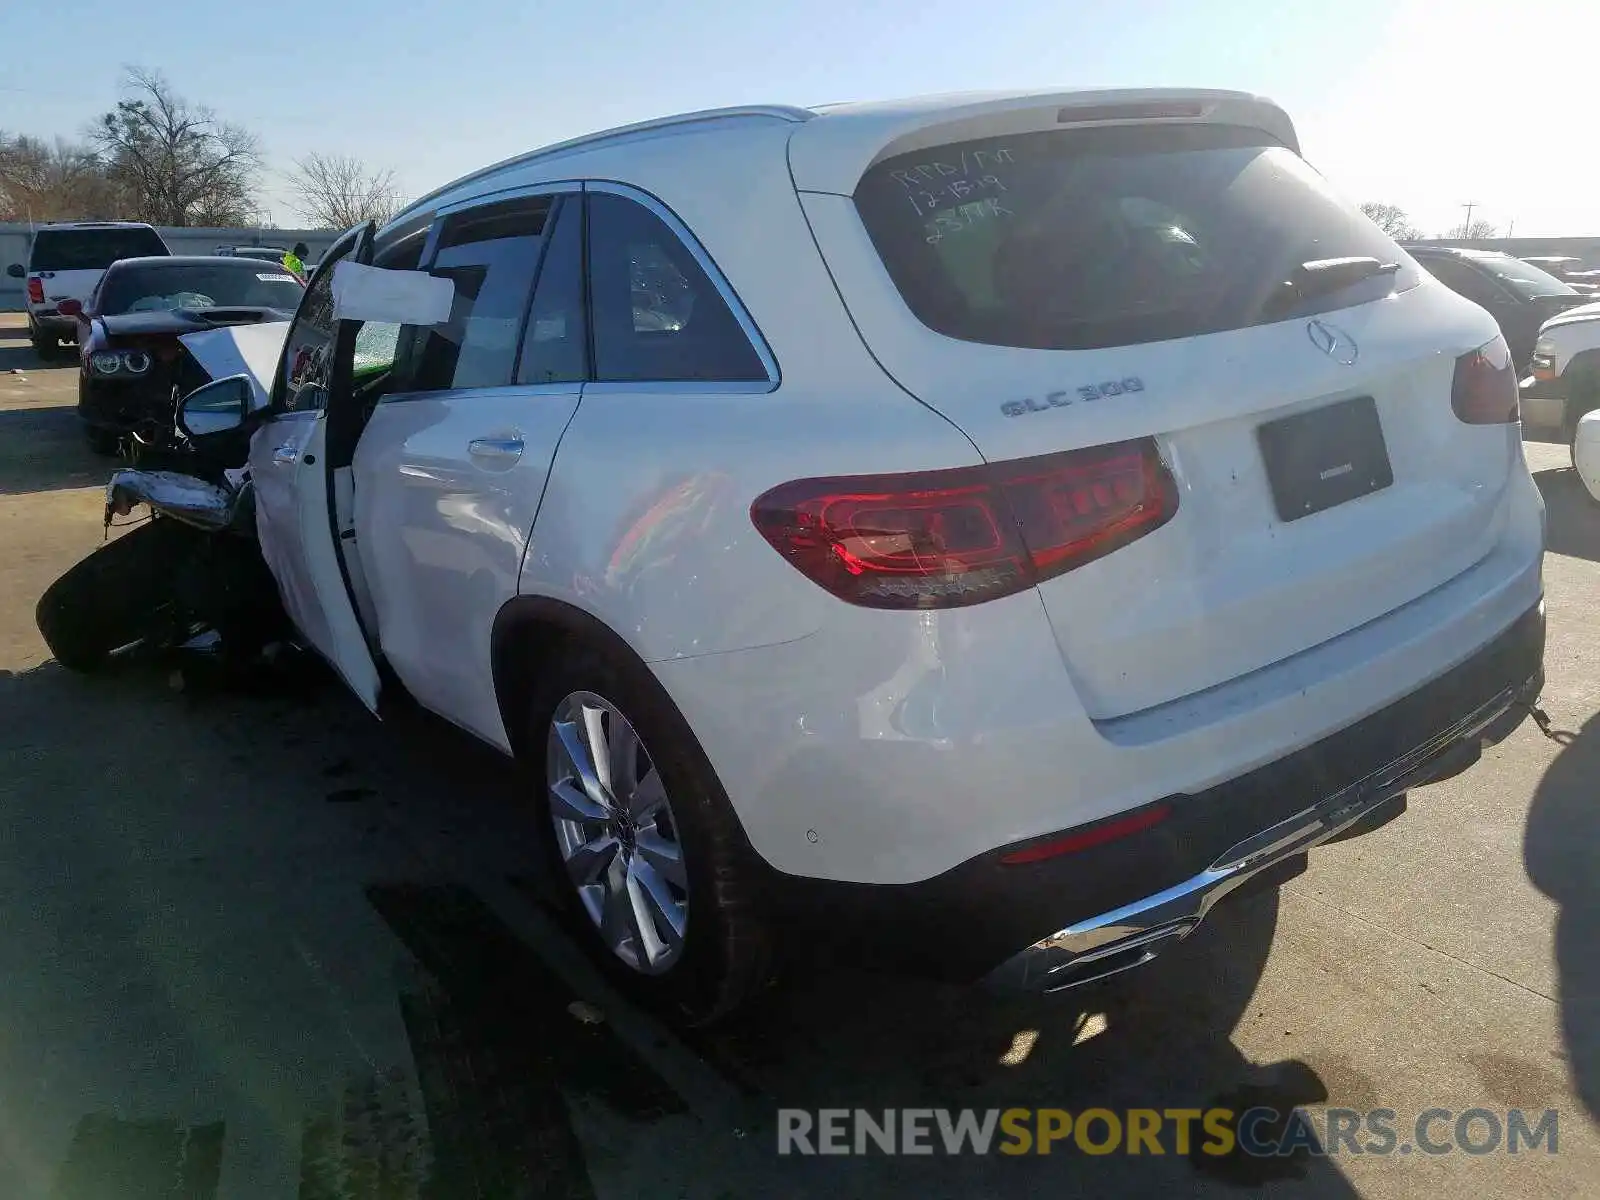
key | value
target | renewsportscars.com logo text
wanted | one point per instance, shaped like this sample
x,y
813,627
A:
x,y
1181,1131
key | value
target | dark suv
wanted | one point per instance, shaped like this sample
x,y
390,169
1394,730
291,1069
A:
x,y
1519,296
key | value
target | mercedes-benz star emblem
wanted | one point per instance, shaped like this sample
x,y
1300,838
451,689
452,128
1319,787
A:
x,y
1333,341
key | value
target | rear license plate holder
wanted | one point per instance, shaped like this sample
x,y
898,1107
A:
x,y
1326,457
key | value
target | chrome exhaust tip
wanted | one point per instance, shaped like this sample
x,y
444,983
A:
x,y
1118,957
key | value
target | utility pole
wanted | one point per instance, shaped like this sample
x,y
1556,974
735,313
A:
x,y
1466,229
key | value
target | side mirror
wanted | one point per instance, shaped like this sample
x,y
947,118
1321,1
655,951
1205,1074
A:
x,y
16,271
217,407
70,308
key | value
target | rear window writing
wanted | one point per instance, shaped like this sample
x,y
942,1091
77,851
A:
x,y
91,249
1073,239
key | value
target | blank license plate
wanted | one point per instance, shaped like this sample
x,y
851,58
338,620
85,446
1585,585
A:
x,y
1325,457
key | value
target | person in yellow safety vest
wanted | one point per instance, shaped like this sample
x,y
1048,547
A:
x,y
294,261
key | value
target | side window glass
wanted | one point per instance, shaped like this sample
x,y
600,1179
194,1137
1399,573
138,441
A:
x,y
491,254
1462,279
377,344
657,317
555,344
308,356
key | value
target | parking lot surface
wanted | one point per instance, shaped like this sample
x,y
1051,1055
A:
x,y
261,945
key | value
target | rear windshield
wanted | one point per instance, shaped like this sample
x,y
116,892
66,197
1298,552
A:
x,y
166,286
1527,280
1074,239
91,249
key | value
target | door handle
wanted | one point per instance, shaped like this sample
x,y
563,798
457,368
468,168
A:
x,y
493,447
286,456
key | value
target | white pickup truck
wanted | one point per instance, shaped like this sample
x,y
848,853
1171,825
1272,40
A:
x,y
66,262
1564,382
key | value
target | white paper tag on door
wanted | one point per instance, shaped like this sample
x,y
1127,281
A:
x,y
362,293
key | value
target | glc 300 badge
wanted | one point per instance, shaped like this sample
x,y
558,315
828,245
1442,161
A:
x,y
1071,396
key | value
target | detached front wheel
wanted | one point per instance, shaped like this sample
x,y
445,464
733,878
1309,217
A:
x,y
651,863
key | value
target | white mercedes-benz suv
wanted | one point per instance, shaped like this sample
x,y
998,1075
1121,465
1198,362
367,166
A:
x,y
977,532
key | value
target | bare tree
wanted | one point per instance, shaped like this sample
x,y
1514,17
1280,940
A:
x,y
336,191
178,163
1392,219
40,181
1477,229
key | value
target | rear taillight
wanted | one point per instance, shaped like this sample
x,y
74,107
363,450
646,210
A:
x,y
1484,391
35,290
942,539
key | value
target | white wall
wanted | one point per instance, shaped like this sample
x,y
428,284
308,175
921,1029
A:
x,y
14,239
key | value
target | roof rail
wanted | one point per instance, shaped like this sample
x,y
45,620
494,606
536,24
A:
x,y
775,112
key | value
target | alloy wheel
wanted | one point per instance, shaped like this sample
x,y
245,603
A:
x,y
615,832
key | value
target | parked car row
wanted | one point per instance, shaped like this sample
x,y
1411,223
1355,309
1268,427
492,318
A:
x,y
115,291
1571,271
263,253
1519,296
1551,324
974,535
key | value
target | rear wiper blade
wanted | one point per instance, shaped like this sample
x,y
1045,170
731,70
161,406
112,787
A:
x,y
1321,276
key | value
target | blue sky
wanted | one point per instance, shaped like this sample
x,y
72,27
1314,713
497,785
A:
x,y
1425,104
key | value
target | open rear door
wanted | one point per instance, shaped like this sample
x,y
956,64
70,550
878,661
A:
x,y
294,495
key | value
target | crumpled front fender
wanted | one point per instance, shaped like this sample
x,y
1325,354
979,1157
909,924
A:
x,y
182,497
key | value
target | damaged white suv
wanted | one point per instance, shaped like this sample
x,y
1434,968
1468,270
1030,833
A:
x,y
977,533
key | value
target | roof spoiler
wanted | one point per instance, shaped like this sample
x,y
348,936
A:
x,y
832,153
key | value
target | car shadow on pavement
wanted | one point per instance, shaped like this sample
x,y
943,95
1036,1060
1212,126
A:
x,y
214,794
1572,517
1156,1038
1561,850
17,353
226,865
43,449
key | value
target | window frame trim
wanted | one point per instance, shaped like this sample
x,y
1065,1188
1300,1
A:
x,y
719,281
406,358
347,243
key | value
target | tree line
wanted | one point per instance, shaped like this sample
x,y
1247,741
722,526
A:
x,y
1392,219
158,157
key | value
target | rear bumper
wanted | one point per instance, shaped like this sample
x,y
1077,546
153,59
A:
x,y
52,322
1132,934
1077,917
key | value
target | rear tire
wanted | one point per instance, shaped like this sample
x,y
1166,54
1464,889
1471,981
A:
x,y
724,955
44,344
114,597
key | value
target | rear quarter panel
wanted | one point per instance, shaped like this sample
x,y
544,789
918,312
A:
x,y
645,523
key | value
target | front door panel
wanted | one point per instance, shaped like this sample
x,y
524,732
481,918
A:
x,y
447,486
288,465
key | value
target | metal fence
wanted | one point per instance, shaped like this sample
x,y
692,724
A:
x,y
15,238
